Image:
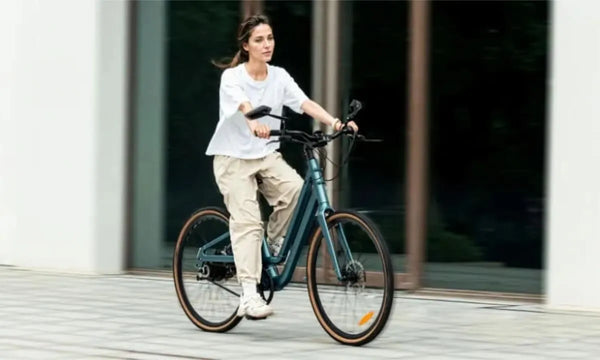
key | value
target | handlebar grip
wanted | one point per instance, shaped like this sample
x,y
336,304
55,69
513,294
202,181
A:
x,y
275,133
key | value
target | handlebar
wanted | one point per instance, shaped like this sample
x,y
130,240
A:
x,y
318,138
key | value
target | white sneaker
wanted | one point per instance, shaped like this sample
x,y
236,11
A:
x,y
275,246
254,307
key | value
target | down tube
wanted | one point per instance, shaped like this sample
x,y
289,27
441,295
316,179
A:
x,y
305,220
311,204
295,226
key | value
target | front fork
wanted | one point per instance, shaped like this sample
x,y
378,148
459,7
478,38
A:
x,y
324,210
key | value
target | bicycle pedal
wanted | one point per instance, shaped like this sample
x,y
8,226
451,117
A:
x,y
248,317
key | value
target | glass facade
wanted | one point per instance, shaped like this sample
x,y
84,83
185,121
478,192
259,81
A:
x,y
198,33
373,57
486,135
291,23
487,145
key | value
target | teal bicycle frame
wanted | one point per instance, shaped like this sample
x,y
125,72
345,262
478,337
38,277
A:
x,y
311,211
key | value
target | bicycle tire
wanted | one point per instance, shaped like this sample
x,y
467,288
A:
x,y
318,289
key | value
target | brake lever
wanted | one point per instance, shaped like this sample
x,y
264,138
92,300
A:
x,y
355,107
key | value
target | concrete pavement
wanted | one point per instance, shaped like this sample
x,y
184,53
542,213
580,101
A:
x,y
49,315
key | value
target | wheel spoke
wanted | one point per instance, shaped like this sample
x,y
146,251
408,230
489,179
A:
x,y
224,288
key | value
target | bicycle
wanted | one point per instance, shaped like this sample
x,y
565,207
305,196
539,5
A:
x,y
354,252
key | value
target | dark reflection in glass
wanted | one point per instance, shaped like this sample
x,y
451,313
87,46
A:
x,y
201,31
487,136
487,125
375,63
291,22
198,32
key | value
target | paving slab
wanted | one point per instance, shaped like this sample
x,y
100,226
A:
x,y
50,315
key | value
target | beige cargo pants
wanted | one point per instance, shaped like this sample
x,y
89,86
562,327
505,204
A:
x,y
236,179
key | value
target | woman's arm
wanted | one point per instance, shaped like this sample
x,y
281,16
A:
x,y
316,111
256,128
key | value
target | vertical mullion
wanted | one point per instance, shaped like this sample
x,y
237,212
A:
x,y
417,140
251,7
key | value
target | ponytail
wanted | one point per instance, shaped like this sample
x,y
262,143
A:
x,y
238,58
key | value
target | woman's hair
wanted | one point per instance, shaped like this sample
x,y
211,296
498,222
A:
x,y
243,36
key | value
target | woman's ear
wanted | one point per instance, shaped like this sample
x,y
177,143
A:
x,y
245,46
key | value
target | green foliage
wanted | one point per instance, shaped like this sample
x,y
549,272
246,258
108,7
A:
x,y
446,246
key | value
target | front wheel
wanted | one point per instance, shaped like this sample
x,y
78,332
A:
x,y
352,307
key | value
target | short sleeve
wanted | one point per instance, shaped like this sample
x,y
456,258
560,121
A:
x,y
293,96
231,93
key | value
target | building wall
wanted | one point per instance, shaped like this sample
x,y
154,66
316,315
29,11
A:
x,y
9,11
573,191
62,134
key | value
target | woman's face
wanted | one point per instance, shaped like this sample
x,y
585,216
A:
x,y
261,44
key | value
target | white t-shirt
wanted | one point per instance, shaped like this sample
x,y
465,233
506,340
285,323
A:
x,y
232,136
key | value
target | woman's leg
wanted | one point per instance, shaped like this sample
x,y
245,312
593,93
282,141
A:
x,y
236,181
281,186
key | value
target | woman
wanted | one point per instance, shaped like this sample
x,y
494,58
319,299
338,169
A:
x,y
241,152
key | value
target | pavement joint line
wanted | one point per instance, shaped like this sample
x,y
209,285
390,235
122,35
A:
x,y
151,353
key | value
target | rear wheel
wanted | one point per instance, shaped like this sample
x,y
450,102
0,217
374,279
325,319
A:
x,y
208,292
354,309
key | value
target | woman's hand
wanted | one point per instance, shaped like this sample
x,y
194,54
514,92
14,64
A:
x,y
337,125
352,125
258,129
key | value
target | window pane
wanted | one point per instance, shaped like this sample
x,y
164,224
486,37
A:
x,y
198,32
374,59
487,115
